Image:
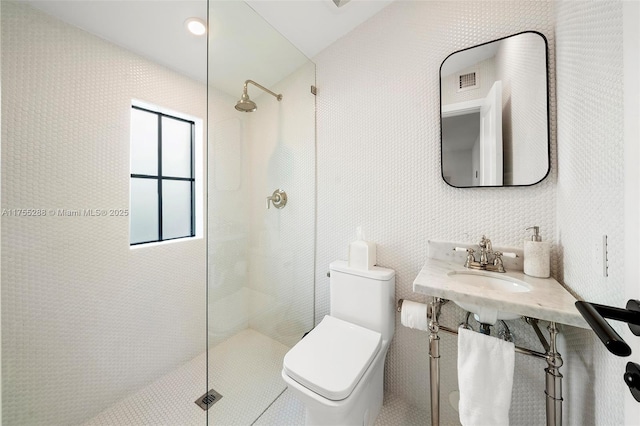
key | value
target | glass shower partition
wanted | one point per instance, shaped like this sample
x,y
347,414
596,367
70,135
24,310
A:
x,y
261,249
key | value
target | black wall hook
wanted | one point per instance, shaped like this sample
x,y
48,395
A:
x,y
632,379
595,316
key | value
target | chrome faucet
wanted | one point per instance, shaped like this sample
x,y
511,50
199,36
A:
x,y
486,252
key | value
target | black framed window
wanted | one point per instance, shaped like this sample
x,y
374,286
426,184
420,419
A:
x,y
162,177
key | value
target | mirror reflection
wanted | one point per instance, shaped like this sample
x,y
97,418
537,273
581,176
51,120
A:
x,y
494,113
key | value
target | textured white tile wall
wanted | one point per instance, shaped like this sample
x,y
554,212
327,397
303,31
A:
x,y
85,320
379,167
591,193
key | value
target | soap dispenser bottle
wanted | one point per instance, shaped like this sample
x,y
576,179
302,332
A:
x,y
362,254
536,255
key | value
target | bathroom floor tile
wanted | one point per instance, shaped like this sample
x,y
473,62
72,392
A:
x,y
245,369
288,411
170,399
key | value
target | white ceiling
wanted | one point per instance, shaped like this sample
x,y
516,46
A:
x,y
154,29
312,25
241,42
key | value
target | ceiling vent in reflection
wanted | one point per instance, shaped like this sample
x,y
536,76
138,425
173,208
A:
x,y
468,81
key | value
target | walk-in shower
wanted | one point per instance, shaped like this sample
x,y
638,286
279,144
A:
x,y
101,332
247,105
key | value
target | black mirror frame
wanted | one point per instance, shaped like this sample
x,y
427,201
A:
x,y
546,57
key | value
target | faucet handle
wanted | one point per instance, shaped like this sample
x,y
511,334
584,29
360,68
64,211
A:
x,y
470,258
497,261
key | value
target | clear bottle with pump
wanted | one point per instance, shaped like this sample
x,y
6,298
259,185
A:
x,y
537,255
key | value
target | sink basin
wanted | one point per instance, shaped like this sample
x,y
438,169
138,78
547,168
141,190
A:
x,y
489,281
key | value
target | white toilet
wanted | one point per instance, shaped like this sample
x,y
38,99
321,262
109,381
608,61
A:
x,y
337,369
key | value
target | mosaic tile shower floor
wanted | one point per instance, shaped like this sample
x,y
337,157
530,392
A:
x,y
248,358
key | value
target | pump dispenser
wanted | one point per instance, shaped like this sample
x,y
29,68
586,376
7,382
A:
x,y
537,255
362,254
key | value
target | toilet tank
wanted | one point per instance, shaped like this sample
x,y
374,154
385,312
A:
x,y
364,297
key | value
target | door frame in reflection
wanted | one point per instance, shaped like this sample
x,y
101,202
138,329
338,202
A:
x,y
487,159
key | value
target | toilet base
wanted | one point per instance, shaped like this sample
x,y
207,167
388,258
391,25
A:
x,y
364,411
360,408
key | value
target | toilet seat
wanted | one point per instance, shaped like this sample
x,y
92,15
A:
x,y
333,357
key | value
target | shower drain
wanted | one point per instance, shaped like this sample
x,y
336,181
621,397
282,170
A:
x,y
208,399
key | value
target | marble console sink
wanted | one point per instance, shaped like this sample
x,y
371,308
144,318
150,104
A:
x,y
489,281
507,295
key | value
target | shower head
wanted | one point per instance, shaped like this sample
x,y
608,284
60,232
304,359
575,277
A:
x,y
247,105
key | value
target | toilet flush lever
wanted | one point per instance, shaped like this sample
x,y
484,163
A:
x,y
278,199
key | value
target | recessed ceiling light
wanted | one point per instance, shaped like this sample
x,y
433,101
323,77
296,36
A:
x,y
196,26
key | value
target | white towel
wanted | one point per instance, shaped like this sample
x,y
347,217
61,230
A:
x,y
414,315
485,378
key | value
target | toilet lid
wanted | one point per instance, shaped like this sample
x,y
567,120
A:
x,y
332,358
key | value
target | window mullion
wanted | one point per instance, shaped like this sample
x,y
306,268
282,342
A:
x,y
193,186
160,177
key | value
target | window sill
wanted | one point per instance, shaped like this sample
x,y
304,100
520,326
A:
x,y
162,243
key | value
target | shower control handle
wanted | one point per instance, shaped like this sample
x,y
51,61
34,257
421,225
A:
x,y
278,199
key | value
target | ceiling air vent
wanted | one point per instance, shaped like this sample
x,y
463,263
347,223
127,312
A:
x,y
468,81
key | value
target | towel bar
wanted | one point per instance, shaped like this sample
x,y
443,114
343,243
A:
x,y
553,388
518,349
595,316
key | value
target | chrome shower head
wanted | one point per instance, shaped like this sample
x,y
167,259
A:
x,y
247,105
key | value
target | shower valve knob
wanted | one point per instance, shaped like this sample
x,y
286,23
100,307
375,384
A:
x,y
278,199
